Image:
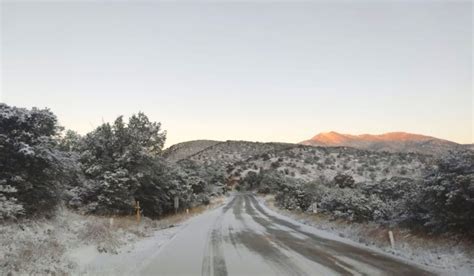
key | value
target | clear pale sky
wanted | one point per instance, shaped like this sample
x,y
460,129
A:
x,y
249,70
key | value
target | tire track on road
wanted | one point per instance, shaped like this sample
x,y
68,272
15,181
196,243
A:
x,y
301,246
262,244
381,262
213,262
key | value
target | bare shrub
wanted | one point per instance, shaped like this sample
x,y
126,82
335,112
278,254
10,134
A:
x,y
99,232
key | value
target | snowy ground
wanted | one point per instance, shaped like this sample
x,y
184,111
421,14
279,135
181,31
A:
x,y
131,258
245,238
447,257
242,236
70,243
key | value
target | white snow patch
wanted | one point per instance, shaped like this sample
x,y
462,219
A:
x,y
129,261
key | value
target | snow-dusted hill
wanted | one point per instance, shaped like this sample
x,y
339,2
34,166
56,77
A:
x,y
307,163
184,150
224,153
230,152
320,163
469,146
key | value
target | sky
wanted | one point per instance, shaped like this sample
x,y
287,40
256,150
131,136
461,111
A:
x,y
245,70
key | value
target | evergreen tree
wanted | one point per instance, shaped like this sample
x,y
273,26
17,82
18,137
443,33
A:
x,y
119,160
28,164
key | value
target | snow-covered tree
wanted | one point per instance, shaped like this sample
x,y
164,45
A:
x,y
119,160
9,206
446,200
160,184
70,141
28,164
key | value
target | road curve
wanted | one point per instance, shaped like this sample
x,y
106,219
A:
x,y
245,238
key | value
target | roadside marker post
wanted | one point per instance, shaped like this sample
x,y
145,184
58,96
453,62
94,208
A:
x,y
392,240
176,204
137,209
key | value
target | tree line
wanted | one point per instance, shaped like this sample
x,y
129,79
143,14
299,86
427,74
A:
x,y
103,172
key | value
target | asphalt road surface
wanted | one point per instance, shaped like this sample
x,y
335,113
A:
x,y
243,237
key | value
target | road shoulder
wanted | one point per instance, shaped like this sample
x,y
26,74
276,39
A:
x,y
359,236
135,254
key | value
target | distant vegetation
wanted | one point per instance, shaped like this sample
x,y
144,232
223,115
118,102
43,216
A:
x,y
106,171
413,190
405,189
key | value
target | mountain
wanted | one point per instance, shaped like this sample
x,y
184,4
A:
x,y
391,142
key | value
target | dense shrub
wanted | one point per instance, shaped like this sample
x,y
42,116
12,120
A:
x,y
28,161
117,161
160,184
253,180
442,201
446,199
344,181
351,204
122,165
208,179
293,197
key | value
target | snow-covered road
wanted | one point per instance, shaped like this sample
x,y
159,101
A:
x,y
243,237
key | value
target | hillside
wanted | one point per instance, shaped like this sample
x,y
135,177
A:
x,y
469,146
183,150
222,153
391,142
307,163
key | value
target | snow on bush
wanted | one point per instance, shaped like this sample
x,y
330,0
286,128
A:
x,y
441,202
27,161
445,201
9,206
121,164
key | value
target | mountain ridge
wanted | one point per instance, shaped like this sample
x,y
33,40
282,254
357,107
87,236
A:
x,y
390,141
